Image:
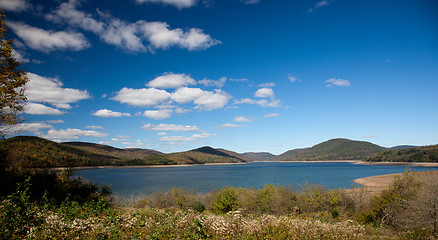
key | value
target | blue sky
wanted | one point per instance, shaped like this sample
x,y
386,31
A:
x,y
244,75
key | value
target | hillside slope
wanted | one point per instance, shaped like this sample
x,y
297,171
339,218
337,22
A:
x,y
258,156
199,156
127,154
413,154
334,149
27,151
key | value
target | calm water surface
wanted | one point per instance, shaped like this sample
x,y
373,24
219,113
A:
x,y
203,178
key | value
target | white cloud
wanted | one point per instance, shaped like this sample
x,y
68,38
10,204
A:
x,y
15,5
186,95
94,127
213,83
135,37
158,114
264,103
264,93
170,127
250,1
171,80
108,113
292,78
20,56
194,137
319,4
40,109
337,82
203,99
72,133
241,119
47,41
267,85
177,3
55,121
272,103
212,100
228,125
245,100
269,115
24,127
144,97
161,37
50,90
162,133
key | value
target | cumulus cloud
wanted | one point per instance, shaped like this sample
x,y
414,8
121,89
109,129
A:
x,y
171,80
213,83
144,97
241,119
24,127
206,100
40,109
337,82
72,133
108,113
15,5
50,90
158,114
170,127
135,37
47,41
176,3
264,93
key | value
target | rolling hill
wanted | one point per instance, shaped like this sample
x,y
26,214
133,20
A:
x,y
258,156
35,152
412,154
334,149
27,151
127,153
199,156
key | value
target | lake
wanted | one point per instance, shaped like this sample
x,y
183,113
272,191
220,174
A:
x,y
204,178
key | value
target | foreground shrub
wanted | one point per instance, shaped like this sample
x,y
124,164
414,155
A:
x,y
225,200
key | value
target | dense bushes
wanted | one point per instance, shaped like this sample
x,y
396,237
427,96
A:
x,y
409,207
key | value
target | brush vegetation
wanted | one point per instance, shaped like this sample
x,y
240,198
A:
x,y
48,204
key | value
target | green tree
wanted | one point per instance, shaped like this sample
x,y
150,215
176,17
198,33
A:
x,y
12,80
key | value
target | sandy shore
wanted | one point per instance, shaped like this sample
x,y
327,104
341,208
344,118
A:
x,y
376,184
408,164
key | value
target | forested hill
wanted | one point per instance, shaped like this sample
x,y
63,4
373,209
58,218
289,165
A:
x,y
34,152
334,149
258,156
413,154
127,153
27,151
200,156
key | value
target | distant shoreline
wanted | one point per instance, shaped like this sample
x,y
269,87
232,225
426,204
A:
x,y
408,164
